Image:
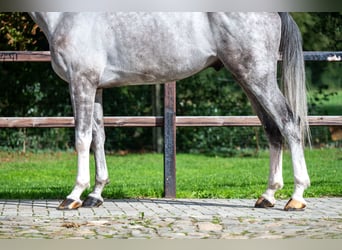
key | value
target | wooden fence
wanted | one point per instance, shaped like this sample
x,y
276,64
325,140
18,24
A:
x,y
170,121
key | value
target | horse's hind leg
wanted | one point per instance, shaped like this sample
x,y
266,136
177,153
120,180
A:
x,y
280,118
275,180
264,89
248,45
95,199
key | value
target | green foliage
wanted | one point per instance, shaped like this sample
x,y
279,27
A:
x,y
128,101
30,89
320,31
19,32
211,93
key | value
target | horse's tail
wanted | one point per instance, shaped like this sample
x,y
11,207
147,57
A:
x,y
293,77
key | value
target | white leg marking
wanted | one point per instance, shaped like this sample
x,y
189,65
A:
x,y
83,141
301,176
275,181
98,147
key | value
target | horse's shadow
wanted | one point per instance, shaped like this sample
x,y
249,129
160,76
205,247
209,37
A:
x,y
199,203
194,203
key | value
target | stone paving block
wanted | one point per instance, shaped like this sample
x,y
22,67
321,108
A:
x,y
86,212
100,212
208,226
117,213
9,213
71,214
55,214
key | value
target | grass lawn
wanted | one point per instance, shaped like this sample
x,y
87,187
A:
x,y
52,175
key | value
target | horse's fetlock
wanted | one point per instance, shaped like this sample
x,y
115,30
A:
x,y
83,185
277,186
100,181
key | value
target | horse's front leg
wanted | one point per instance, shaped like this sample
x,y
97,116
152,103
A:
x,y
82,92
95,199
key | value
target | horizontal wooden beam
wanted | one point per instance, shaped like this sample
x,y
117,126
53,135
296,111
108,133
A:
x,y
25,56
156,121
330,121
216,121
44,56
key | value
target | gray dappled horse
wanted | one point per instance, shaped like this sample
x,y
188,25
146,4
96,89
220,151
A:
x,y
93,51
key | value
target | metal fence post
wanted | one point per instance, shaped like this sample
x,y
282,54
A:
x,y
170,140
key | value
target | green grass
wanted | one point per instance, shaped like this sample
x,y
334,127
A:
x,y
52,175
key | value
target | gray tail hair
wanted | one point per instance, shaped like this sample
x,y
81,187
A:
x,y
293,75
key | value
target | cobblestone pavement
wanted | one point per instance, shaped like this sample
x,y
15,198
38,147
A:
x,y
170,219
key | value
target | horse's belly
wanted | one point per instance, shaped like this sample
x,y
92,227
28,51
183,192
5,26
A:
x,y
148,72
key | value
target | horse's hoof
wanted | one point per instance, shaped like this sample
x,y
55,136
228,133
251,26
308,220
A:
x,y
92,202
294,205
263,203
69,204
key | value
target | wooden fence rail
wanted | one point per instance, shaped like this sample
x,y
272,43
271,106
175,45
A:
x,y
44,56
171,120
156,121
